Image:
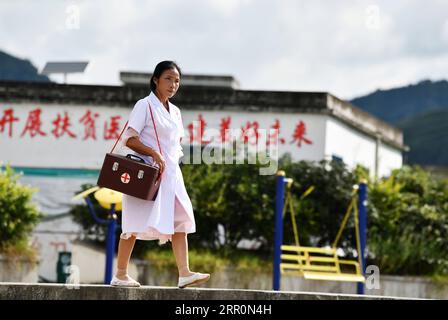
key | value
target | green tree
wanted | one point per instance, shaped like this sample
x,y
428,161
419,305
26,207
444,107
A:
x,y
18,214
234,197
407,227
408,223
320,214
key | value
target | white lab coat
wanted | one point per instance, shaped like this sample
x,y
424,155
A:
x,y
172,210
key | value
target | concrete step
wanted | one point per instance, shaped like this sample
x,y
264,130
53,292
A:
x,y
40,291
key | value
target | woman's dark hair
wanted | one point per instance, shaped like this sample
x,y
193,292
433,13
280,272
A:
x,y
160,68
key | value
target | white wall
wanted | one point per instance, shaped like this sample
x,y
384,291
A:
x,y
91,263
348,144
355,148
55,194
50,238
65,151
326,136
389,159
62,234
314,129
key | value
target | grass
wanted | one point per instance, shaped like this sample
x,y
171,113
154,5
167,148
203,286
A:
x,y
441,280
212,261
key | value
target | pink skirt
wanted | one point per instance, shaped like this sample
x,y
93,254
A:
x,y
182,223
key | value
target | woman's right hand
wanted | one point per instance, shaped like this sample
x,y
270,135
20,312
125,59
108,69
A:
x,y
159,160
136,145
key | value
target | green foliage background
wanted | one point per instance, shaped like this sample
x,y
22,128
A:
x,y
407,212
18,214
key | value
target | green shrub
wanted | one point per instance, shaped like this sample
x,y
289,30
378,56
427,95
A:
x,y
18,215
320,214
233,196
408,223
207,260
407,227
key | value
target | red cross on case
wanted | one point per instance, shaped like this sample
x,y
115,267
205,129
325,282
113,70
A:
x,y
125,177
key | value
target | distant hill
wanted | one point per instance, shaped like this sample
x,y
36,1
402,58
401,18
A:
x,y
396,104
12,68
427,135
421,111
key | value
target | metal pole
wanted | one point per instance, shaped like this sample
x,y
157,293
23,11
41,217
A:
x,y
362,205
93,213
278,236
110,245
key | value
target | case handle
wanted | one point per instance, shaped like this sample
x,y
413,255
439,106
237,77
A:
x,y
140,159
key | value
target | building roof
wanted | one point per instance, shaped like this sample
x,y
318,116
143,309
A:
x,y
141,78
208,98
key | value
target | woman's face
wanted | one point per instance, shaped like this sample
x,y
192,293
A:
x,y
168,83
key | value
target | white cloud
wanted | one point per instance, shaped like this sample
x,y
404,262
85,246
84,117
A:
x,y
228,7
346,47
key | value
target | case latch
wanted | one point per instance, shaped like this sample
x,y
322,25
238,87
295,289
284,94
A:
x,y
140,174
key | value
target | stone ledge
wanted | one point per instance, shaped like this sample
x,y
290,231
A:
x,y
38,291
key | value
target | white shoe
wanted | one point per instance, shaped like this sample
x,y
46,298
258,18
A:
x,y
195,279
124,283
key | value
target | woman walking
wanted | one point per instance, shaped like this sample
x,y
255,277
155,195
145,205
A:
x,y
170,216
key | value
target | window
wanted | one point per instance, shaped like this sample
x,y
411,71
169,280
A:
x,y
336,158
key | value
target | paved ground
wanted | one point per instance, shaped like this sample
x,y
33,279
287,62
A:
x,y
38,291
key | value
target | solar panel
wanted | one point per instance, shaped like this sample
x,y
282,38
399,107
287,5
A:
x,y
64,67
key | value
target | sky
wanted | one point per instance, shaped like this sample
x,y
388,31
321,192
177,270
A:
x,y
346,47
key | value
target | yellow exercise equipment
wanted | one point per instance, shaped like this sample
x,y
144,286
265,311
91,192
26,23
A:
x,y
106,197
315,263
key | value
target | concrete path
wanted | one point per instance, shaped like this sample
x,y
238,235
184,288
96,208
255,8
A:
x,y
40,291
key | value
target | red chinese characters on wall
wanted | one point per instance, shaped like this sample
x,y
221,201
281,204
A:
x,y
197,134
112,130
88,120
224,128
33,124
274,137
249,133
62,125
299,135
8,120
